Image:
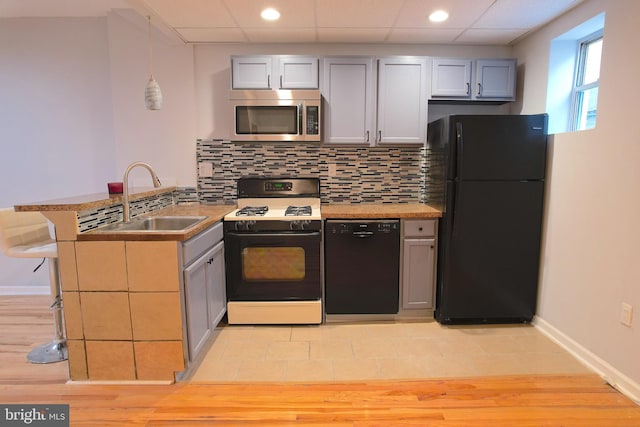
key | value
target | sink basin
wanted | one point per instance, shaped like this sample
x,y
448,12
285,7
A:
x,y
155,223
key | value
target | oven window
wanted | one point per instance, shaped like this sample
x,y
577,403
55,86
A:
x,y
256,120
269,263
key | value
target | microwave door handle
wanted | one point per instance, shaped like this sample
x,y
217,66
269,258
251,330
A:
x,y
300,131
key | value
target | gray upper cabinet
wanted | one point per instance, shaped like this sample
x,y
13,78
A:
x,y
369,106
475,80
349,97
274,72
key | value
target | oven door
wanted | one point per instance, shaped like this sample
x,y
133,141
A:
x,y
273,266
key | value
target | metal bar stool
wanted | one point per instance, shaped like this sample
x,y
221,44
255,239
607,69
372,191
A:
x,y
26,235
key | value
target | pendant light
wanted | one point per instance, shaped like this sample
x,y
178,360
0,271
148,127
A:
x,y
152,93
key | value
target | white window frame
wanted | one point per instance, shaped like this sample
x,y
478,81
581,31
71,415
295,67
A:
x,y
578,86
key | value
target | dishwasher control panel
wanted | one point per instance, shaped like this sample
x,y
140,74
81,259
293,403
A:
x,y
351,227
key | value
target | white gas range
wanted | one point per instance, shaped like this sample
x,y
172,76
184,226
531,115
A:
x,y
272,252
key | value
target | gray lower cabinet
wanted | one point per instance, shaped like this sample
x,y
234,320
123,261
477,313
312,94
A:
x,y
418,265
204,287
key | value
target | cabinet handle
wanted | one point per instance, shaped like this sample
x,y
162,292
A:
x,y
468,88
269,80
281,81
479,89
367,136
379,136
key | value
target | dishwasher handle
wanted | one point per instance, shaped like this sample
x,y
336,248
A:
x,y
362,234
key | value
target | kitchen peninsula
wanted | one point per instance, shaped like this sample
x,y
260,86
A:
x,y
123,308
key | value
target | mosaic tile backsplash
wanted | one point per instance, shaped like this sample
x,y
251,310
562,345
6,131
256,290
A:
x,y
362,174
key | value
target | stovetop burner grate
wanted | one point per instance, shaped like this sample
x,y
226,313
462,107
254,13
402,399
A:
x,y
253,211
298,211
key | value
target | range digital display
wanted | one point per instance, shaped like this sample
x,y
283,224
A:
x,y
278,186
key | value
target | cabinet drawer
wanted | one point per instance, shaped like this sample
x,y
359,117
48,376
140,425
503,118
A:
x,y
419,227
201,242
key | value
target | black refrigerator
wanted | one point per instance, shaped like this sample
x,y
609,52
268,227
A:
x,y
487,175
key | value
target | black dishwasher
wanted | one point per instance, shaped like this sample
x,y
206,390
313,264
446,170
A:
x,y
362,266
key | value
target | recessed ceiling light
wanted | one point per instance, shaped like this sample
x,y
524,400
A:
x,y
439,16
270,14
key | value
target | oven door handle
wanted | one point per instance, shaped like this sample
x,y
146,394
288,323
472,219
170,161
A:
x,y
300,233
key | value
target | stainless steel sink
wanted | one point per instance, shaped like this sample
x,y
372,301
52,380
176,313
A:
x,y
154,223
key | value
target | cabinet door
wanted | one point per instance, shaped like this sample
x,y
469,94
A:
x,y
495,78
298,72
402,100
418,273
451,78
216,285
251,72
349,95
195,285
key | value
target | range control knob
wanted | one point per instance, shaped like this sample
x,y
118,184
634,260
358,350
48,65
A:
x,y
299,224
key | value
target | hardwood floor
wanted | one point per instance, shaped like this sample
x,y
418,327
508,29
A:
x,y
557,400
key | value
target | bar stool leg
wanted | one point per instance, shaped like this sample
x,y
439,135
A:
x,y
56,350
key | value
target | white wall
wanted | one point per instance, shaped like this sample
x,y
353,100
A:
x,y
590,251
72,113
56,118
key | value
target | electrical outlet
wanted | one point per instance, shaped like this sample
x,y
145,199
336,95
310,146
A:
x,y
205,170
626,314
332,169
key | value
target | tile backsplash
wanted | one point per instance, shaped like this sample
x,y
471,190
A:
x,y
347,174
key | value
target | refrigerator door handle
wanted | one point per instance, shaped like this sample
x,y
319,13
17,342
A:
x,y
459,144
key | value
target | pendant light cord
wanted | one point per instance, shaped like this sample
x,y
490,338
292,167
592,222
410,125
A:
x,y
150,48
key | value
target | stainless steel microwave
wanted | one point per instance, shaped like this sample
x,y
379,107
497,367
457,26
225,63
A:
x,y
276,115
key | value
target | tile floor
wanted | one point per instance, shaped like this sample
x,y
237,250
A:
x,y
416,350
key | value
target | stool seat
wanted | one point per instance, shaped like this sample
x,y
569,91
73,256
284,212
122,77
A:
x,y
26,235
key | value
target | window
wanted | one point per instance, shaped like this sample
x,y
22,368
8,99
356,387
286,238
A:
x,y
585,91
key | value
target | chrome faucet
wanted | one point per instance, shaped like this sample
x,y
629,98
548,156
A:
x,y
125,194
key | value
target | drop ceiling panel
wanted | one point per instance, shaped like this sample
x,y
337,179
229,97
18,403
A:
x,y
65,8
192,13
423,35
352,35
284,35
522,13
462,13
212,35
489,37
357,13
293,13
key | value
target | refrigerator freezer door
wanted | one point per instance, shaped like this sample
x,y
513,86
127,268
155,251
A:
x,y
497,147
489,254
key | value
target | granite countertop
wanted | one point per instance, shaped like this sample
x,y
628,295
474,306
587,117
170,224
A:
x,y
214,214
90,201
378,210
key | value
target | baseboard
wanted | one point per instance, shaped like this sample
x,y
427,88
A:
x,y
611,375
25,290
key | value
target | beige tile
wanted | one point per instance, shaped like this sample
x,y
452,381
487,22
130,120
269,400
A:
x,y
156,316
271,333
347,331
355,369
153,266
216,370
428,329
72,315
407,368
537,344
308,333
227,333
387,330
261,370
496,344
331,349
105,315
67,264
77,360
101,266
288,350
110,360
158,360
309,370
66,223
373,348
415,347
457,345
551,363
245,350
